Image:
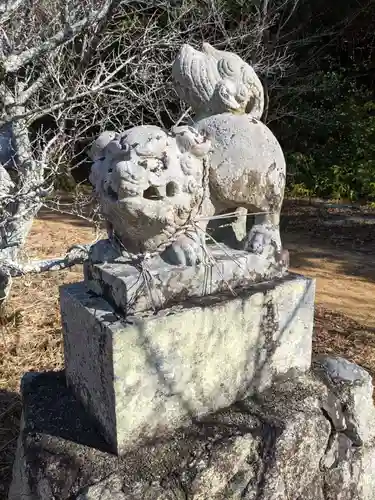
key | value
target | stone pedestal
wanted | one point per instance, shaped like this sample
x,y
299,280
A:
x,y
143,377
284,445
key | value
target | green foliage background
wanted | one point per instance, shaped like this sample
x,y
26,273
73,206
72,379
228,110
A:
x,y
331,149
328,132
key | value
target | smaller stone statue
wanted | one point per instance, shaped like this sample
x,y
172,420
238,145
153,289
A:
x,y
247,167
214,82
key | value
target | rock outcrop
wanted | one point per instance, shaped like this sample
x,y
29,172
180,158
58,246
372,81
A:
x,y
309,437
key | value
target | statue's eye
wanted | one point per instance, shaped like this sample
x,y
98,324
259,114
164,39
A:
x,y
248,77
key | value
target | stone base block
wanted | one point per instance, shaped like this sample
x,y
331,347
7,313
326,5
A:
x,y
132,288
145,377
282,446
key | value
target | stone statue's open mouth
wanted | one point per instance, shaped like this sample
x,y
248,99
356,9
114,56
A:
x,y
152,193
160,192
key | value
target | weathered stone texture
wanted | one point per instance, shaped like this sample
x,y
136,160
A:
x,y
145,377
275,446
158,190
214,81
349,464
131,290
353,387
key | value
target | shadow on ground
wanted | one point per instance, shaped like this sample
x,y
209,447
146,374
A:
x,y
305,255
310,241
10,413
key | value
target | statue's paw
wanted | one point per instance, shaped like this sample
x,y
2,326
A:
x,y
185,251
257,244
264,240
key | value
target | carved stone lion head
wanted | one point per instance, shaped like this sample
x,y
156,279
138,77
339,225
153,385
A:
x,y
149,183
214,81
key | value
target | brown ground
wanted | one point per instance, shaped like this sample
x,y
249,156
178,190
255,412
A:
x,y
341,259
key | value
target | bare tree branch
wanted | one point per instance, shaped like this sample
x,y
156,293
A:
x,y
7,8
34,87
75,255
14,62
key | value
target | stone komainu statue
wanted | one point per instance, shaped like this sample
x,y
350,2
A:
x,y
225,160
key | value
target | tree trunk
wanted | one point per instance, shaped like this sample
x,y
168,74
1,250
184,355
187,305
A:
x,y
22,209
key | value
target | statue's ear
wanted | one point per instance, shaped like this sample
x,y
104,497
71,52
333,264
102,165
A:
x,y
209,49
100,144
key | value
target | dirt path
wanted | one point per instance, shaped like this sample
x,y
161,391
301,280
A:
x,y
342,261
340,258
345,280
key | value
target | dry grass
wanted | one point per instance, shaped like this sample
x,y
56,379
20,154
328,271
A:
x,y
31,332
340,335
31,339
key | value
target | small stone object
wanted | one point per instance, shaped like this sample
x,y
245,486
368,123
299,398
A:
x,y
353,388
349,462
